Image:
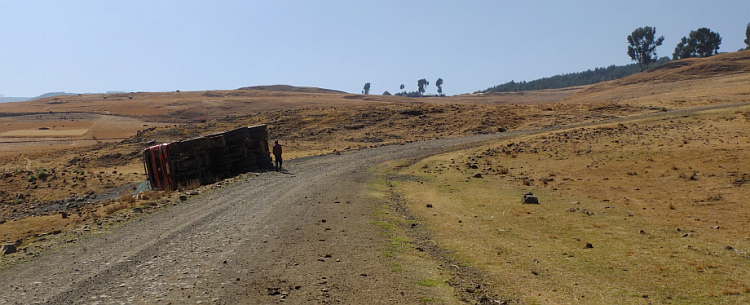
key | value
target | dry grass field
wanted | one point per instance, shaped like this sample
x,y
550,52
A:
x,y
647,211
660,199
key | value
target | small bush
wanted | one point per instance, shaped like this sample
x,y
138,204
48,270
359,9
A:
x,y
42,174
119,205
503,170
151,195
126,201
127,198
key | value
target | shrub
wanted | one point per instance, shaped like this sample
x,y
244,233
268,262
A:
x,y
42,174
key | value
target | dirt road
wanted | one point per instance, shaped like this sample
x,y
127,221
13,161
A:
x,y
301,236
304,235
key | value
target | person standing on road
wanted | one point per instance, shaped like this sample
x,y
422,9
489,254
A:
x,y
277,154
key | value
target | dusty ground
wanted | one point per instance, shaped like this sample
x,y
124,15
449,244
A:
x,y
80,154
661,201
33,181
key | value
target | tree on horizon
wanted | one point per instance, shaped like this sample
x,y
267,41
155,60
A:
x,y
422,83
700,43
366,90
747,37
439,84
642,48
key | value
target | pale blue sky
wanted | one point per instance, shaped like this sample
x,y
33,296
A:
x,y
139,45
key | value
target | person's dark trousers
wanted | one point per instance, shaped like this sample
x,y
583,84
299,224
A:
x,y
278,162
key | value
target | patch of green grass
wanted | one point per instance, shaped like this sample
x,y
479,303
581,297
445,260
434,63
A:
x,y
387,226
430,282
397,267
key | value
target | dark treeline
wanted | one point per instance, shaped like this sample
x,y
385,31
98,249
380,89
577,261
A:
x,y
587,77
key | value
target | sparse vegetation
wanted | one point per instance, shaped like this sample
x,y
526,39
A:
x,y
118,206
621,214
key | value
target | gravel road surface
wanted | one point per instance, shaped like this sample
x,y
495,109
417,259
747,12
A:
x,y
300,236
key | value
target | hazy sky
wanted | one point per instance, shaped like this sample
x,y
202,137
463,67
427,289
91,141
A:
x,y
152,45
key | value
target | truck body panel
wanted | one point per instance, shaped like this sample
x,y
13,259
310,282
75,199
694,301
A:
x,y
207,159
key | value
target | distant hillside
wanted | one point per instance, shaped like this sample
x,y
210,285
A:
x,y
587,77
21,99
287,88
8,99
722,78
689,69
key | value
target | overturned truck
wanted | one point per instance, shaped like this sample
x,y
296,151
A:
x,y
207,159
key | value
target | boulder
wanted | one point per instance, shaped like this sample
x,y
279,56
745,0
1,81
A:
x,y
529,198
8,249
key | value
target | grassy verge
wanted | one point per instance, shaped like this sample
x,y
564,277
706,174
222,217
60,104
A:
x,y
437,275
429,278
648,212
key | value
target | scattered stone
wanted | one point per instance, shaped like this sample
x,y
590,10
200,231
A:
x,y
64,215
478,175
529,198
589,246
183,197
729,248
429,205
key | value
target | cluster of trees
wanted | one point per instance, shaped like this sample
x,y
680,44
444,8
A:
x,y
421,84
699,43
642,44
